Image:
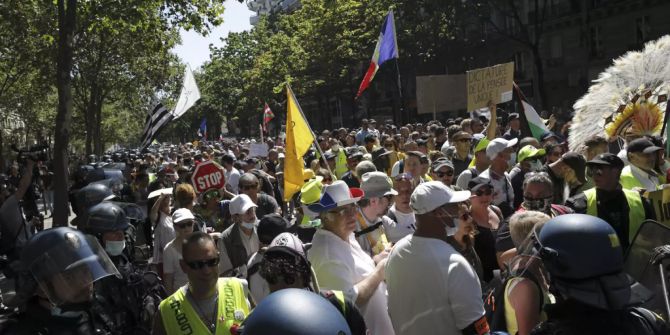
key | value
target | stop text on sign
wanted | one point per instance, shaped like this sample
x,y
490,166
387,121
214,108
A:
x,y
209,180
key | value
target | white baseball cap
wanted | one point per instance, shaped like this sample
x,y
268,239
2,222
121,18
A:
x,y
499,145
433,194
182,214
240,204
288,240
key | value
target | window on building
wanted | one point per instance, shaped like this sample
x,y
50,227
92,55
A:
x,y
642,29
556,47
596,41
518,62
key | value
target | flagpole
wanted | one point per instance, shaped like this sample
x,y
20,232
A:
x,y
314,143
402,100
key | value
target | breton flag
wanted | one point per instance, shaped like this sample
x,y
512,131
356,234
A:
x,y
386,48
535,123
202,131
155,121
299,138
189,95
267,116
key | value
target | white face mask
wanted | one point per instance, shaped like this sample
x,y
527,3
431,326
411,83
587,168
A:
x,y
250,225
535,166
115,248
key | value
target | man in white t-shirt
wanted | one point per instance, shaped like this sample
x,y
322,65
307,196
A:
x,y
401,215
231,175
431,287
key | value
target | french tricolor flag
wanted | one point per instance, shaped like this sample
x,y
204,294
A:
x,y
386,48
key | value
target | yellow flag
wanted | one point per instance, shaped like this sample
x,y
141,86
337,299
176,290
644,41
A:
x,y
298,140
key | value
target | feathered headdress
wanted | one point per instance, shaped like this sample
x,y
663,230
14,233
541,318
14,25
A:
x,y
630,96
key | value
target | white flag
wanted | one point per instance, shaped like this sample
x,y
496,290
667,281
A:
x,y
189,95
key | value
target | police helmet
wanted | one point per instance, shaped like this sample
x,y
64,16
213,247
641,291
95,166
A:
x,y
93,194
106,217
584,258
295,312
65,263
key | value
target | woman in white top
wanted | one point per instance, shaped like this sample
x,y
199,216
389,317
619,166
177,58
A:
x,y
339,262
173,276
163,229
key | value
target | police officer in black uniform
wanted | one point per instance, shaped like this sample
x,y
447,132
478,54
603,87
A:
x,y
127,303
60,268
584,258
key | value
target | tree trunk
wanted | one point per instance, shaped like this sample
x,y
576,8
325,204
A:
x,y
97,140
67,10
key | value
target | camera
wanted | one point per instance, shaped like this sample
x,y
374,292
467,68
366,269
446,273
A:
x,y
37,153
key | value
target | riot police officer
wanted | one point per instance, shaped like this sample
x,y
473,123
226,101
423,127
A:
x,y
584,258
87,197
128,302
60,268
295,311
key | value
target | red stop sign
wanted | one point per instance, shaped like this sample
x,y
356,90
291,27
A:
x,y
208,175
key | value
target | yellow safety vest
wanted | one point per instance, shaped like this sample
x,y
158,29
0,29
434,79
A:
x,y
628,180
341,164
180,318
635,209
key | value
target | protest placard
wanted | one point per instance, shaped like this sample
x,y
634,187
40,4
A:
x,y
660,201
489,84
258,150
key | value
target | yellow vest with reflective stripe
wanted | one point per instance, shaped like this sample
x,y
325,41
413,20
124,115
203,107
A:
x,y
180,318
635,209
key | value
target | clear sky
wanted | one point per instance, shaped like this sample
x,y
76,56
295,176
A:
x,y
194,49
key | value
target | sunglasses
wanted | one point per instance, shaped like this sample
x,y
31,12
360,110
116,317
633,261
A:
x,y
212,195
595,171
182,225
485,191
442,174
249,186
197,265
405,175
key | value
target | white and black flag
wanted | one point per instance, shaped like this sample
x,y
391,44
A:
x,y
155,121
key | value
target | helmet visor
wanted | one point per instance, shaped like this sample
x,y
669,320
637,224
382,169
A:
x,y
66,273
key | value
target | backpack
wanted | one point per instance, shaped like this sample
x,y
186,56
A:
x,y
494,298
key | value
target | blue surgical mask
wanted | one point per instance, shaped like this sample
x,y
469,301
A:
x,y
115,248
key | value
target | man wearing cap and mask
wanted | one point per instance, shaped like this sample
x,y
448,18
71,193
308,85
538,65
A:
x,y
529,161
567,173
378,197
430,285
623,209
640,173
239,241
340,157
499,151
442,170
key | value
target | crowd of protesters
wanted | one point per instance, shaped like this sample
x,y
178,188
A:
x,y
407,228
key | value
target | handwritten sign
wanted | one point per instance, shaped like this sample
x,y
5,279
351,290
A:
x,y
258,150
489,84
660,200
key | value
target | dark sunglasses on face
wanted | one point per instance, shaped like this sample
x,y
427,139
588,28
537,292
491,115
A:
x,y
249,186
197,265
595,171
440,174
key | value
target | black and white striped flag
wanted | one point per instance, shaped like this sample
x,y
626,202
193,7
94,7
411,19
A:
x,y
155,121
